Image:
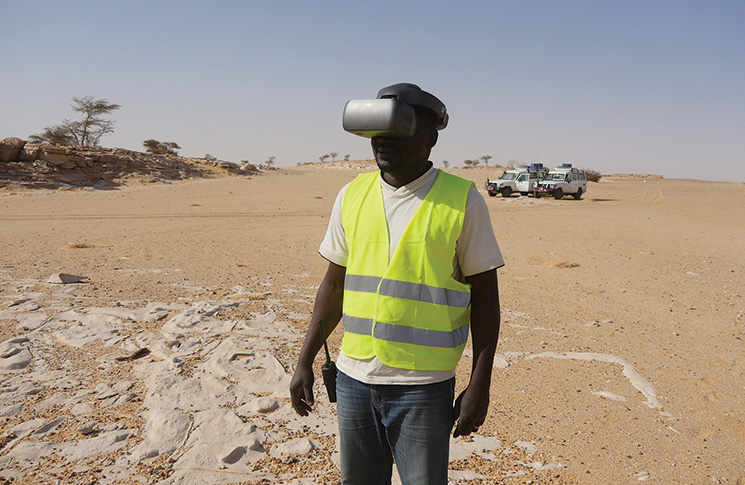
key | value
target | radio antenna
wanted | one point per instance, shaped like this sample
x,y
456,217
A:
x,y
328,371
325,344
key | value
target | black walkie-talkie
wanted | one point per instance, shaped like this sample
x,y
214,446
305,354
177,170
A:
x,y
328,370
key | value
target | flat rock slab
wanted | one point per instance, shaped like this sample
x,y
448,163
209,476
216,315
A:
x,y
105,443
66,279
32,450
14,354
221,441
165,432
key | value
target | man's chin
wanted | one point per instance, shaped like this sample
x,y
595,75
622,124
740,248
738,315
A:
x,y
387,164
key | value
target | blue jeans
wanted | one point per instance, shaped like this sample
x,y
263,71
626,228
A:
x,y
382,423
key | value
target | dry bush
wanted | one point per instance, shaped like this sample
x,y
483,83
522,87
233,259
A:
x,y
593,176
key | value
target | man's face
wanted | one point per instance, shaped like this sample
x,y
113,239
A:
x,y
403,156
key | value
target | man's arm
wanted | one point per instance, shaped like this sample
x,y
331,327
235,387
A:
x,y
472,404
327,309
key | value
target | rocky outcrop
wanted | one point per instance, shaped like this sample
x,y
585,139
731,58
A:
x,y
10,148
34,165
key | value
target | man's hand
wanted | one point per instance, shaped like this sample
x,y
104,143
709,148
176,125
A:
x,y
301,391
469,411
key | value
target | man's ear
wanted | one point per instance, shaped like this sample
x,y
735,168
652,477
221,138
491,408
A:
x,y
433,138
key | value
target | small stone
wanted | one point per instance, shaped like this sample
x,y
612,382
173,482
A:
x,y
134,355
11,410
299,446
122,386
49,427
105,392
81,409
88,427
234,455
264,405
124,398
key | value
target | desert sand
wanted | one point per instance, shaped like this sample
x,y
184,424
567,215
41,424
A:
x,y
621,355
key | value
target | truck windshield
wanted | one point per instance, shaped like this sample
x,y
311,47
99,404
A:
x,y
508,176
555,176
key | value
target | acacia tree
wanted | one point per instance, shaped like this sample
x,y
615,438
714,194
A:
x,y
89,131
270,161
486,159
333,155
56,135
86,132
161,147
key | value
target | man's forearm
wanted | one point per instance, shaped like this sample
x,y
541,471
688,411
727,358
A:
x,y
485,334
485,321
327,309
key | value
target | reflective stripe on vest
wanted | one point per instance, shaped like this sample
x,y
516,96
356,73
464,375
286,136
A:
x,y
407,291
409,311
407,335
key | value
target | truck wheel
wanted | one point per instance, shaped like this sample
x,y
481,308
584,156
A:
x,y
558,194
537,195
578,195
491,194
506,192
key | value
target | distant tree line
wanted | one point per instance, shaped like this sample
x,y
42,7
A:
x,y
332,156
476,161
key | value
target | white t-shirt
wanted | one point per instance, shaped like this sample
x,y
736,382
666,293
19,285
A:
x,y
476,251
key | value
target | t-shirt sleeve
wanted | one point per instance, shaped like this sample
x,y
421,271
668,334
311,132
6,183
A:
x,y
334,244
477,249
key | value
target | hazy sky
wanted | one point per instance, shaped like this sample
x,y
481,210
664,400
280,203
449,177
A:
x,y
626,86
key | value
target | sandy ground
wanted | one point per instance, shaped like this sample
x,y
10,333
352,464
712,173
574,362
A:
x,y
621,353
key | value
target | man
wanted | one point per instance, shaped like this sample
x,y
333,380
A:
x,y
412,261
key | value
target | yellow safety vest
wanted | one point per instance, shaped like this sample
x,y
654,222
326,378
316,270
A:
x,y
409,312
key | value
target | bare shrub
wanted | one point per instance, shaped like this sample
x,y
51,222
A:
x,y
593,175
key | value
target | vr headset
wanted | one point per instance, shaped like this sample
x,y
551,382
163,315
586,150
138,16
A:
x,y
392,113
